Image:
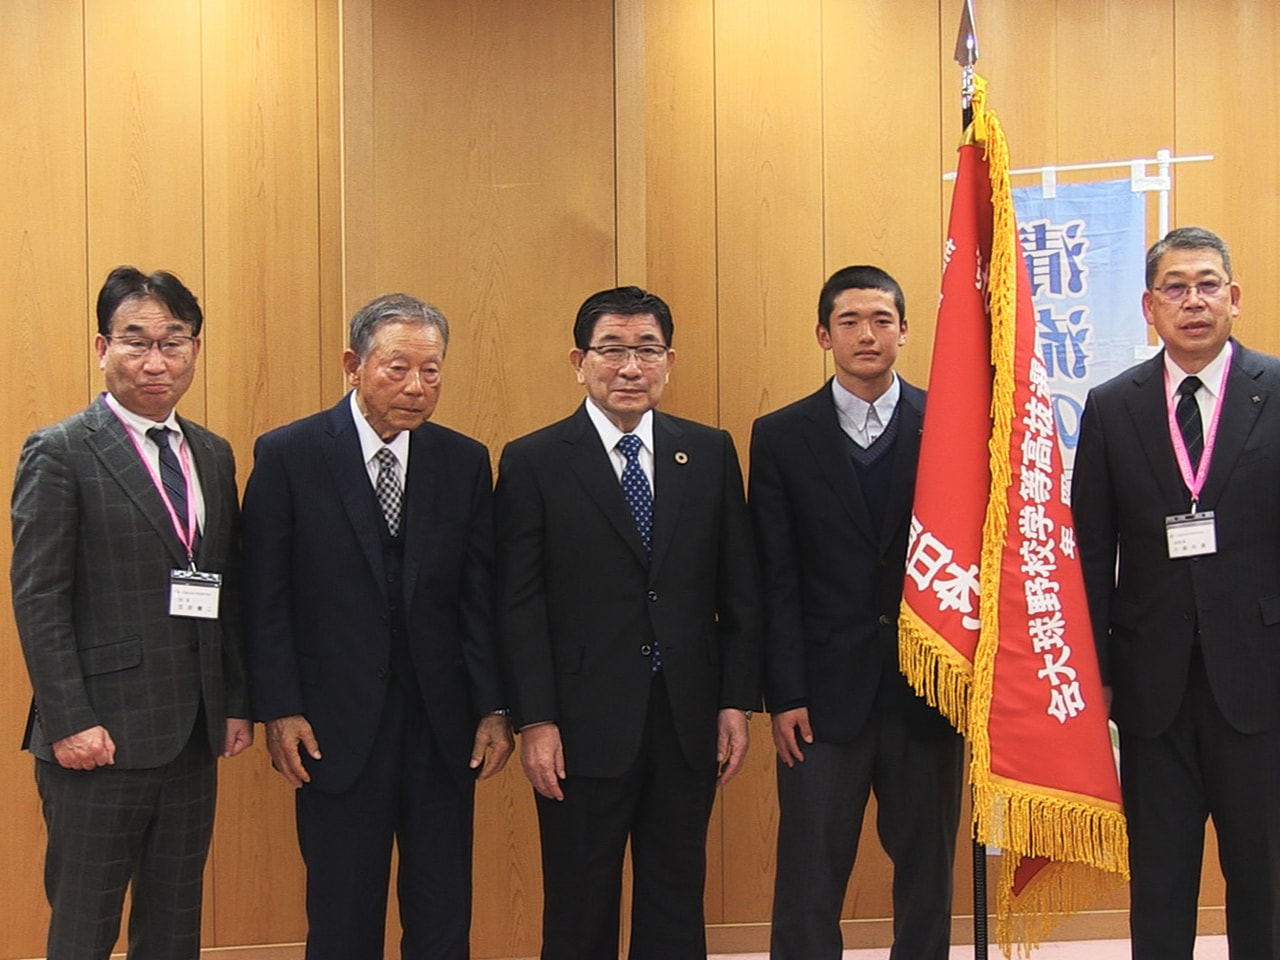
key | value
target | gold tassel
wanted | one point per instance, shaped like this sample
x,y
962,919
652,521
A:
x,y
936,671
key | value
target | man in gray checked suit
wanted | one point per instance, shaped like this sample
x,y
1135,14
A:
x,y
124,577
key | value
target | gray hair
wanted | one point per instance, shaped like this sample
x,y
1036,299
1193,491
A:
x,y
393,308
1186,238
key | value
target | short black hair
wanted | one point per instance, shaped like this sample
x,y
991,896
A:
x,y
858,277
1186,238
624,302
129,283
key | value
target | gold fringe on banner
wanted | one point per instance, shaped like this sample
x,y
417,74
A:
x,y
936,670
1086,841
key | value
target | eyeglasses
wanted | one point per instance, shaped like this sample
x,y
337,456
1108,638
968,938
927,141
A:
x,y
617,355
1177,292
171,348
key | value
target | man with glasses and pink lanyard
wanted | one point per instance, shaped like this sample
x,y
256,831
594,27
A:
x,y
1176,498
125,590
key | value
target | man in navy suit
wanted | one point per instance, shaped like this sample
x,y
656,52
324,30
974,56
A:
x,y
1177,477
629,630
372,649
832,483
136,665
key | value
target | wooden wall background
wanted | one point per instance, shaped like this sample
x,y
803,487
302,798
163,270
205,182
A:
x,y
504,158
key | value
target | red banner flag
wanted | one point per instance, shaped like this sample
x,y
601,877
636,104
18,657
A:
x,y
994,625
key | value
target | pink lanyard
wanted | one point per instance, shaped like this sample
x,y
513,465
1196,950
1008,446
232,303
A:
x,y
1195,483
186,537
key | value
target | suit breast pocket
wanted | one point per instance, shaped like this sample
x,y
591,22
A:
x,y
111,657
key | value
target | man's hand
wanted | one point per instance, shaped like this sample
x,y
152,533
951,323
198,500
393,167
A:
x,y
542,756
86,750
493,745
238,736
731,745
285,735
786,726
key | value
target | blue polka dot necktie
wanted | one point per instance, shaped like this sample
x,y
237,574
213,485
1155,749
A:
x,y
635,488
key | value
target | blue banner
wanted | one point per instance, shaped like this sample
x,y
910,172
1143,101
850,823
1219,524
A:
x,y
1085,252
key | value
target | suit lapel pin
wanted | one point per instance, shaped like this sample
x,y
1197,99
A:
x,y
681,457
1256,398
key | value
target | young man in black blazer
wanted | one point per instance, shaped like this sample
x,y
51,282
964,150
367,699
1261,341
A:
x,y
832,481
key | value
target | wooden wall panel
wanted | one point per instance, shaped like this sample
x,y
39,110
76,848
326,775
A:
x,y
1224,99
882,198
494,191
44,351
143,166
678,190
769,167
264,363
769,150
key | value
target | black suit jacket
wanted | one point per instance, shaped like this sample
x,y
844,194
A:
x,y
1145,614
93,547
832,579
581,603
317,609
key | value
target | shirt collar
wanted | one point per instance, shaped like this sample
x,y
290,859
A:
x,y
609,432
1210,376
857,410
371,443
138,423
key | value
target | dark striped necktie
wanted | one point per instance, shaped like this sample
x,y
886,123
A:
x,y
175,485
1187,414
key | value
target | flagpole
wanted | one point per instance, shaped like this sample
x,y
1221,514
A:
x,y
966,55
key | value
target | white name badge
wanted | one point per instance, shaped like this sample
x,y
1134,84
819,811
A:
x,y
194,594
1191,535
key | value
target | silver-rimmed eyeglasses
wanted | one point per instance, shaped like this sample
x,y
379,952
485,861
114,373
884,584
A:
x,y
172,348
617,355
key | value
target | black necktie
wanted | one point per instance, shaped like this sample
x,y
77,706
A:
x,y
387,489
175,485
1187,414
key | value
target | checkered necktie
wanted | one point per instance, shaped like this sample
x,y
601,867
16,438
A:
x,y
387,489
1187,414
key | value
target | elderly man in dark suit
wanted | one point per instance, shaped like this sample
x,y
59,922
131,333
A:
x,y
372,649
125,589
629,627
1177,474
832,482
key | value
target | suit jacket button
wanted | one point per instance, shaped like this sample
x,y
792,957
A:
x,y
652,594
382,673
645,650
884,620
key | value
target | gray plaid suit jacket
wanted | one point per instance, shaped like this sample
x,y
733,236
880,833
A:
x,y
93,546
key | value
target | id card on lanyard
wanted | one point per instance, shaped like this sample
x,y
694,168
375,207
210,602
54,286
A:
x,y
192,593
1194,534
